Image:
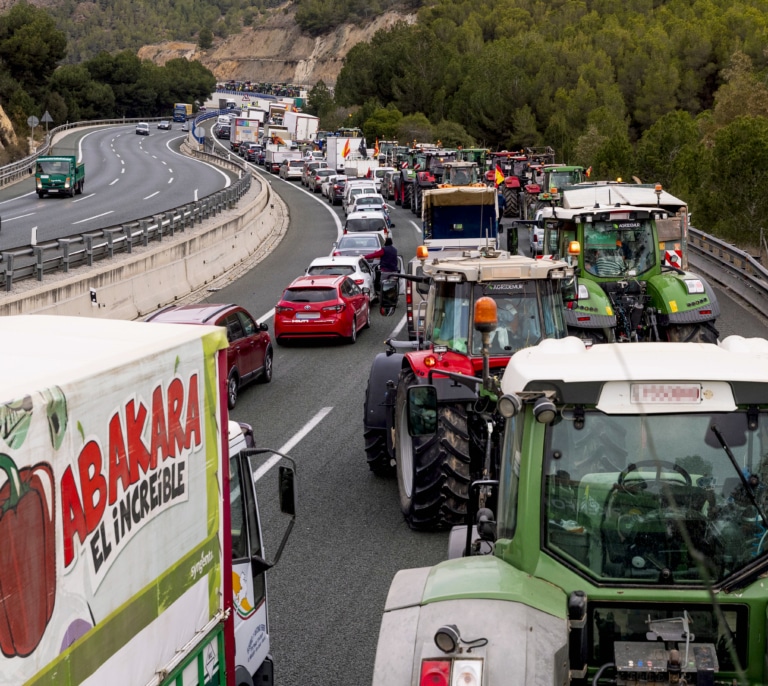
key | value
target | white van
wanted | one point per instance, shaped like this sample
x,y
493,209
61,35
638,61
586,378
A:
x,y
356,187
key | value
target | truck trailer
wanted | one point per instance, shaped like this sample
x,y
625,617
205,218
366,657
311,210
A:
x,y
303,127
121,561
182,111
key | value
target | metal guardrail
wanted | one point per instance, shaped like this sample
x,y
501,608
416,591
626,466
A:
x,y
735,269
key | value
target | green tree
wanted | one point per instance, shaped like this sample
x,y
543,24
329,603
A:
x,y
452,135
205,38
662,144
415,127
30,45
320,100
84,97
383,123
738,158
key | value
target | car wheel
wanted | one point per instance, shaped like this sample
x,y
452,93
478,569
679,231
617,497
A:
x,y
367,324
266,375
233,384
353,335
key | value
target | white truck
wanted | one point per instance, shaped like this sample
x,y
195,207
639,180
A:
x,y
121,561
339,151
243,130
303,127
275,155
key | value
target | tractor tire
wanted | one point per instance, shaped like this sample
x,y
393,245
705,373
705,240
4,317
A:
x,y
693,333
512,202
408,196
398,199
379,461
417,195
432,471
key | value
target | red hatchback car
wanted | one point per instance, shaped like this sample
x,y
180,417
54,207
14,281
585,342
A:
x,y
321,306
249,355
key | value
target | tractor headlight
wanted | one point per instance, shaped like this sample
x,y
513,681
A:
x,y
694,286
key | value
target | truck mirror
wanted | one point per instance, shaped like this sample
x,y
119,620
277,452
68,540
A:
x,y
422,410
287,499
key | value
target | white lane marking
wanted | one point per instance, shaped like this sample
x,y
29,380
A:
x,y
117,155
21,216
415,226
154,157
163,162
122,171
266,316
16,198
152,196
122,162
398,328
170,180
114,182
92,218
227,180
84,197
295,440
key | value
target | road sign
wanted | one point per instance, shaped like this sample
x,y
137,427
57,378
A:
x,y
47,118
32,121
199,132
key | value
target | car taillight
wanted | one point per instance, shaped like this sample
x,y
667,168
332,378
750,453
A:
x,y
435,673
337,252
334,308
281,309
359,281
385,231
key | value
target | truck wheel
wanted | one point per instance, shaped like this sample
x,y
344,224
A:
x,y
693,333
41,194
432,471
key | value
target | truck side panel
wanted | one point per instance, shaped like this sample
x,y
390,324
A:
x,y
113,465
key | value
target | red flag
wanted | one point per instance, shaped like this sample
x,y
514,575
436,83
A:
x,y
376,148
368,173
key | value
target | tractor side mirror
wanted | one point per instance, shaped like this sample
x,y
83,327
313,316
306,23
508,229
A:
x,y
422,410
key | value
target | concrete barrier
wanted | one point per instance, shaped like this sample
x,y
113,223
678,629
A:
x,y
131,286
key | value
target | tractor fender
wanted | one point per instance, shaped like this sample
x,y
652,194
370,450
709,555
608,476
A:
x,y
529,614
670,296
386,367
448,390
593,312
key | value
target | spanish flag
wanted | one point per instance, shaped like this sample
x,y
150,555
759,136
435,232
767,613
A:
x,y
589,171
278,140
498,177
345,151
376,148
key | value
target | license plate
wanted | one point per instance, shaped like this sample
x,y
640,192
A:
x,y
307,315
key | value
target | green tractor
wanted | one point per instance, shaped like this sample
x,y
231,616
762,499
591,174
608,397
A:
x,y
629,289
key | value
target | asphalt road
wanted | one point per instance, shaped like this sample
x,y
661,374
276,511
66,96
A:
x,y
126,177
328,591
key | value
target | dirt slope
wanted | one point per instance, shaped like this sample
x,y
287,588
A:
x,y
276,51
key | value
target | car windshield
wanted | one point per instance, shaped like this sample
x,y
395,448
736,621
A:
x,y
309,295
366,224
52,167
627,498
338,269
619,248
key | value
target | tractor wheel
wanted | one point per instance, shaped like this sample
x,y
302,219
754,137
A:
x,y
398,199
416,204
432,471
693,333
408,196
379,461
512,202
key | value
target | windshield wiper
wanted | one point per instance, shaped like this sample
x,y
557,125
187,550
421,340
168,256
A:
x,y
744,481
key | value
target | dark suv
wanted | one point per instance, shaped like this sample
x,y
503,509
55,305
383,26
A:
x,y
249,355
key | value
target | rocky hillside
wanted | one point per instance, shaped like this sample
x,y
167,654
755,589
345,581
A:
x,y
276,51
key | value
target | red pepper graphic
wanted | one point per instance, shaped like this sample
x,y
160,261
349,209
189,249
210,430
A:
x,y
27,556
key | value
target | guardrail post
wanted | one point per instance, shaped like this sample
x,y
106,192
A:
x,y
171,217
38,252
64,244
232,198
144,226
110,235
205,205
88,241
8,259
188,214
128,231
159,221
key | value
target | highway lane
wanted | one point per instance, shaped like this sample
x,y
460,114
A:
x,y
126,177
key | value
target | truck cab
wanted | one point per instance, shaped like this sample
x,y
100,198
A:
x,y
60,174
